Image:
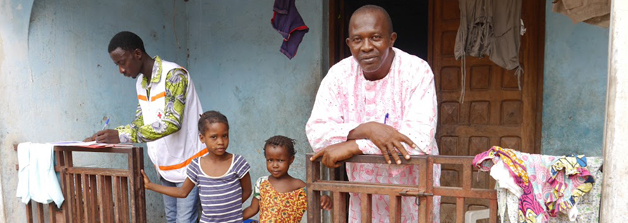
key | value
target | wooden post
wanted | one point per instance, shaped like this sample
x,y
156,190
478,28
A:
x,y
340,212
313,198
367,207
394,212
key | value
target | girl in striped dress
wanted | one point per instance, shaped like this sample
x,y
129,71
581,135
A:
x,y
223,178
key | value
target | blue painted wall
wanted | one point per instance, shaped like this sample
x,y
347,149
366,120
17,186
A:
x,y
239,71
57,81
574,86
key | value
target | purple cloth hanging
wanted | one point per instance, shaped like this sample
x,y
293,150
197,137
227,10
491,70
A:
x,y
288,22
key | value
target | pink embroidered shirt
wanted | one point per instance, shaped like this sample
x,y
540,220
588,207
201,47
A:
x,y
406,95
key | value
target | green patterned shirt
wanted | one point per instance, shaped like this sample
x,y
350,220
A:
x,y
176,88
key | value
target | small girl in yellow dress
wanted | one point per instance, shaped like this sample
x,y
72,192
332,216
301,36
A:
x,y
280,197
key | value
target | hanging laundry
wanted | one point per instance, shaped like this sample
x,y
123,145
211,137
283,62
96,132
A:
x,y
507,205
588,206
586,209
559,182
476,27
37,179
508,192
500,173
574,168
553,186
530,210
490,28
506,39
288,22
594,12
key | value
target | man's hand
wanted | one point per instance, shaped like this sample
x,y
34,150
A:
x,y
89,139
107,136
385,137
332,155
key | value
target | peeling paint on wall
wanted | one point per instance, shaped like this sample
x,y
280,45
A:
x,y
9,176
58,81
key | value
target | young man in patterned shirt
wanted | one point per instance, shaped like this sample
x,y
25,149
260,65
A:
x,y
166,119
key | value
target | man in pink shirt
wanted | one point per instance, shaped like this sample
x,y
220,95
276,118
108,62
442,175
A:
x,y
381,100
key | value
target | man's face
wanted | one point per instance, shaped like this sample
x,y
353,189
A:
x,y
129,62
370,42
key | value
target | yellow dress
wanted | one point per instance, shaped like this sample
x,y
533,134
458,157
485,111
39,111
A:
x,y
279,207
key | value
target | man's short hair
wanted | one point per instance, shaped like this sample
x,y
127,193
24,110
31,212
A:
x,y
375,8
127,41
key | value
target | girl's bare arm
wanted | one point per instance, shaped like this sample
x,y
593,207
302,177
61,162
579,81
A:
x,y
245,182
251,210
178,192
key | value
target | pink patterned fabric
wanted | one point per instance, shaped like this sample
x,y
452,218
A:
x,y
530,210
558,181
346,99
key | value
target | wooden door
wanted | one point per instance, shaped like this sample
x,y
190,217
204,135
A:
x,y
495,112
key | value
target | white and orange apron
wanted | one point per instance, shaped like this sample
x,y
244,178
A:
x,y
171,154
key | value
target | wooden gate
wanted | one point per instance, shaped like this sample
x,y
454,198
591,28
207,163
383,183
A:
x,y
95,194
424,191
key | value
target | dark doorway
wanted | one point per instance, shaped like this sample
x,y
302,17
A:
x,y
410,21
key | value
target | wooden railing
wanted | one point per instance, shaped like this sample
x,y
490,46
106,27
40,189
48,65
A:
x,y
424,191
96,194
